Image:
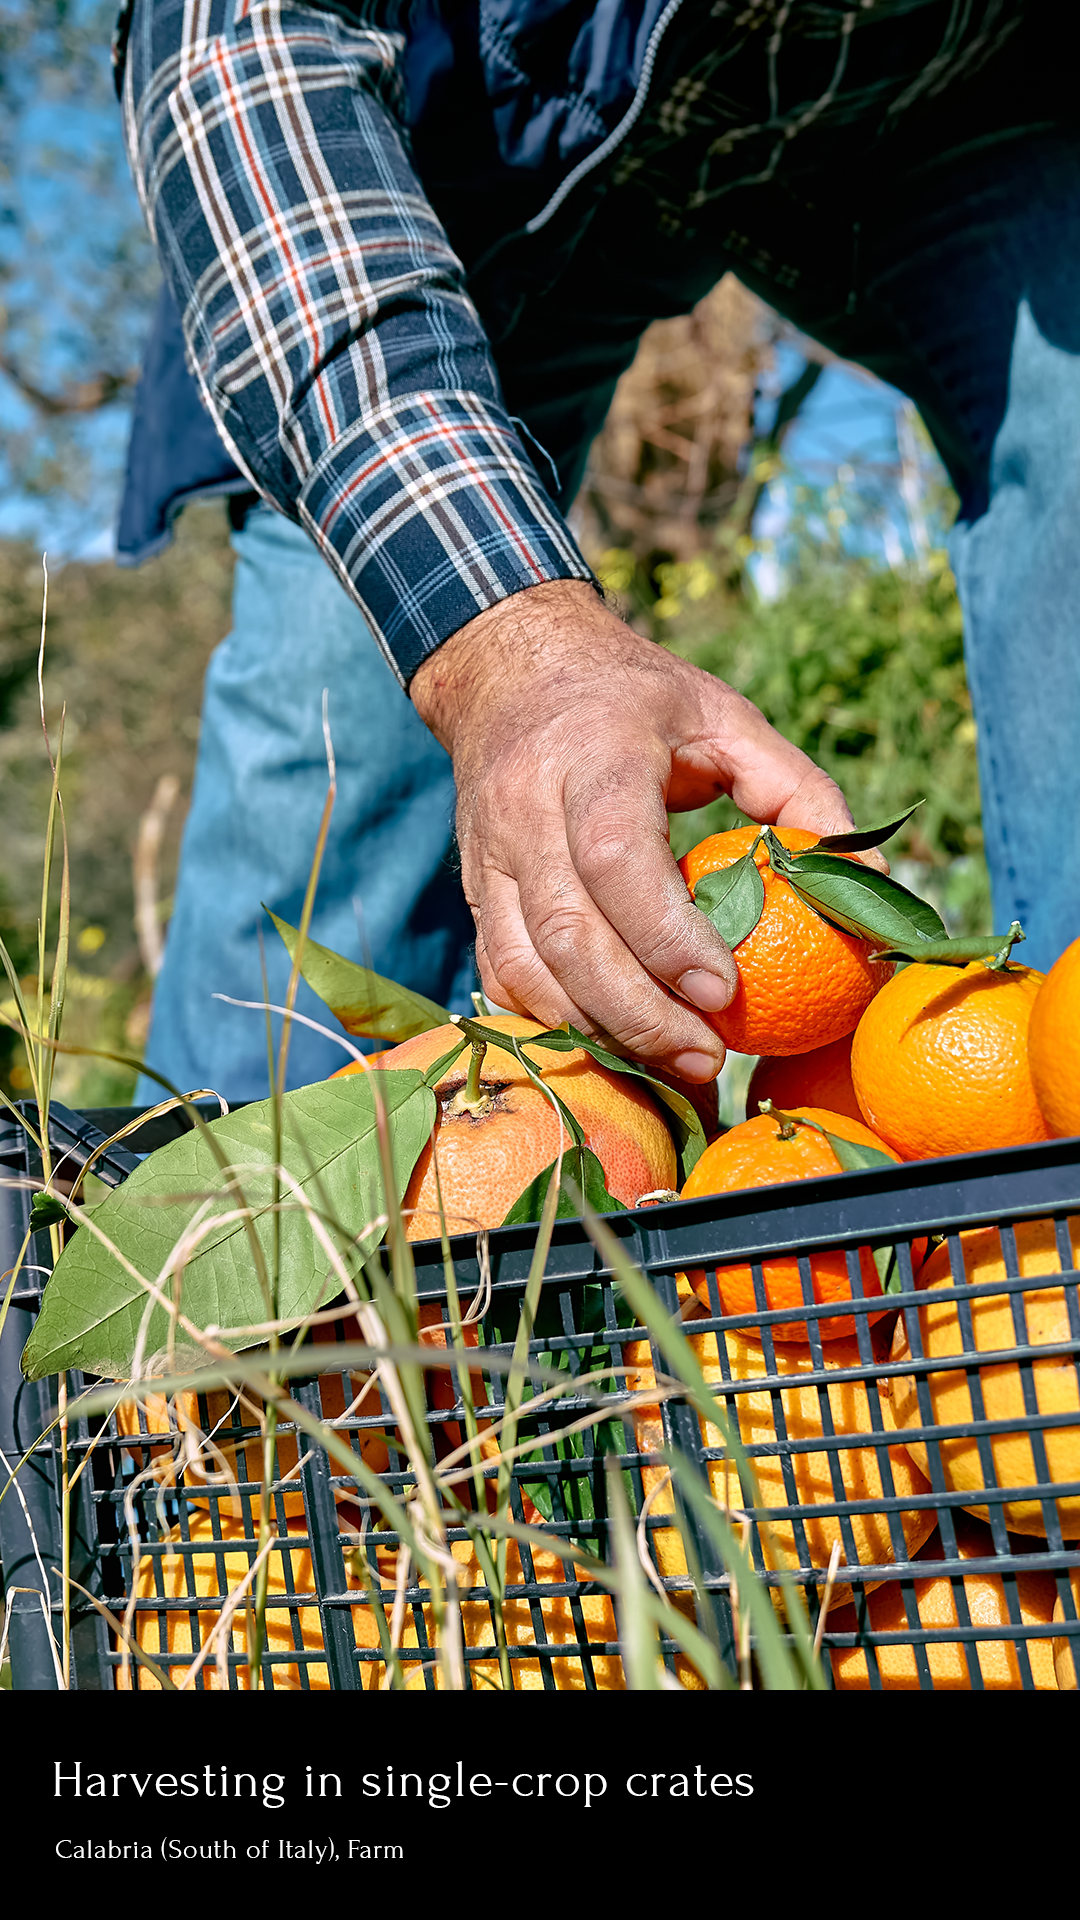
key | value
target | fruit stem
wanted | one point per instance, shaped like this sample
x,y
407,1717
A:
x,y
789,1126
473,1095
767,839
471,1098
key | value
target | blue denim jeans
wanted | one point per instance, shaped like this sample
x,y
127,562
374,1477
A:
x,y
389,895
1017,568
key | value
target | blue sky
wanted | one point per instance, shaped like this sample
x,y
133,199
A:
x,y
77,271
857,452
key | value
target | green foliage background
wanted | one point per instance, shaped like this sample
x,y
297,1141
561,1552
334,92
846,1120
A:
x,y
863,668
125,655
859,664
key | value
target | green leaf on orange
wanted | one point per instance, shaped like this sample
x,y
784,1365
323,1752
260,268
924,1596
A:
x,y
733,899
363,1001
581,1165
854,1155
440,1067
861,901
685,1124
570,1120
953,953
861,838
327,1137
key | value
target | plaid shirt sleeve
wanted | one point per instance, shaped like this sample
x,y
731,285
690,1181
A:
x,y
325,312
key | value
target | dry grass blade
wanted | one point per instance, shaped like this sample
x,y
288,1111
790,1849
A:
x,y
136,1126
13,1471
12,1276
643,1553
537,1265
405,1390
648,1396
219,1638
478,1306
131,1647
290,1013
826,1596
147,856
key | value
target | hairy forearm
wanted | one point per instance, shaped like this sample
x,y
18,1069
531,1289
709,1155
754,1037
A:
x,y
554,639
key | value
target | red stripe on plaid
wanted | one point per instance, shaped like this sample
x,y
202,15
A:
x,y
440,430
293,270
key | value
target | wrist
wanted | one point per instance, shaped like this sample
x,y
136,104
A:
x,y
540,636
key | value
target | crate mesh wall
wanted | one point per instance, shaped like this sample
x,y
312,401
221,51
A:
x,y
194,1541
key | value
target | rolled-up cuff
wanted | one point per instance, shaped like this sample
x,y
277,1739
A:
x,y
430,511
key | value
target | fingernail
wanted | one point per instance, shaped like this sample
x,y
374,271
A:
x,y
696,1066
709,991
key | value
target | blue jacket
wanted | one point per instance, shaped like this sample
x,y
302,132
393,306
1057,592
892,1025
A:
x,y
512,106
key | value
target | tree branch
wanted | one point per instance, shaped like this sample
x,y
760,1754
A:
x,y
83,396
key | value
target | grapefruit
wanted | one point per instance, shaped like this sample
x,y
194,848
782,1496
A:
x,y
486,1159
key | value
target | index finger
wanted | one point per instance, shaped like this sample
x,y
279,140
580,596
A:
x,y
617,836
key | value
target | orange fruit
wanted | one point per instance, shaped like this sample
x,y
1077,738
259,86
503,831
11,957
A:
x,y
1046,1316
757,1155
363,1065
218,1565
818,1079
802,983
486,1160
809,1473
936,1606
940,1063
1054,1044
1066,1648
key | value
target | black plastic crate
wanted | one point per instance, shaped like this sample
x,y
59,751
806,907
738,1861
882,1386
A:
x,y
825,1469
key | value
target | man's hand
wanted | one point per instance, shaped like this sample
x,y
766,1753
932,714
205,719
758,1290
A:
x,y
571,737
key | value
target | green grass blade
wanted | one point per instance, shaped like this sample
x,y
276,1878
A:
x,y
637,1628
779,1668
